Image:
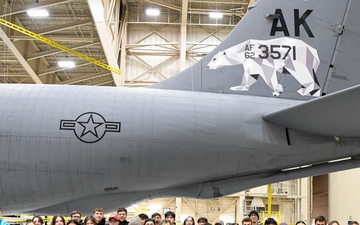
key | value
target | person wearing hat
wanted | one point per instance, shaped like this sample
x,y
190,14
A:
x,y
114,220
254,216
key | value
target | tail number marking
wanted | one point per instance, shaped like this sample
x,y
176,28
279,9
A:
x,y
275,51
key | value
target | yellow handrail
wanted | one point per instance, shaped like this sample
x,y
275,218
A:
x,y
58,46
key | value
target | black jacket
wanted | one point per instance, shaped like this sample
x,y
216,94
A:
x,y
102,222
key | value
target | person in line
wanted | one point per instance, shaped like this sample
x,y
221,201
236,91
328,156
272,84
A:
x,y
354,222
90,220
114,220
99,216
58,220
122,214
149,221
320,220
270,221
156,217
76,215
189,221
143,217
334,222
246,221
254,216
38,220
202,221
300,222
170,216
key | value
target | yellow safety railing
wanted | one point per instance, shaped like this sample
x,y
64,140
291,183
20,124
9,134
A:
x,y
57,45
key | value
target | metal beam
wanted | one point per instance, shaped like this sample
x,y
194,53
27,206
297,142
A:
x,y
56,51
19,57
13,74
199,214
207,11
139,83
183,34
64,26
108,43
165,4
129,46
189,24
123,51
102,82
223,209
84,78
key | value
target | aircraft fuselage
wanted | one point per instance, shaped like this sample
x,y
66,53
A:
x,y
67,143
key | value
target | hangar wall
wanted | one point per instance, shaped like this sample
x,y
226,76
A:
x,y
343,196
290,203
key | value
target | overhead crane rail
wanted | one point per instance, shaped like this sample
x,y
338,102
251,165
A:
x,y
58,46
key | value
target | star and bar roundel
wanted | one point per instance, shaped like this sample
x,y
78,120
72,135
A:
x,y
90,127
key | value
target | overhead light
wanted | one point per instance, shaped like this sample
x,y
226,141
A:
x,y
38,13
152,12
66,64
215,15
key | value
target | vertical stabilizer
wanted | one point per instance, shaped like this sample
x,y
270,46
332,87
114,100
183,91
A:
x,y
287,48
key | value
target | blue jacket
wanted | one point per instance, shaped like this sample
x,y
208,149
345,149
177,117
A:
x,y
2,222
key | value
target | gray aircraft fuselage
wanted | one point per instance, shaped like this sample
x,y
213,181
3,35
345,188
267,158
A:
x,y
68,147
65,148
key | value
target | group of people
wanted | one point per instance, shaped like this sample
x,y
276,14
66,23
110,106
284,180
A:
x,y
320,220
98,218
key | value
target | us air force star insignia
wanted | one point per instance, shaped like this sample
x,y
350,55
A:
x,y
90,127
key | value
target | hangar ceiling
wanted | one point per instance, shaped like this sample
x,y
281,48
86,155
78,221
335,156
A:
x,y
100,29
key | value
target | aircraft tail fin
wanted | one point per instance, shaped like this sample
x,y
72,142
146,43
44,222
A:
x,y
287,48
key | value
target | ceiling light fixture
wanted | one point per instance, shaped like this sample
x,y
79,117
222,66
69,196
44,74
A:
x,y
152,12
66,64
38,13
215,15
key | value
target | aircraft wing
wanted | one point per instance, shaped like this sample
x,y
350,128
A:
x,y
336,114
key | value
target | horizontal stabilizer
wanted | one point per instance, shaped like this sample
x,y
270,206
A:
x,y
336,114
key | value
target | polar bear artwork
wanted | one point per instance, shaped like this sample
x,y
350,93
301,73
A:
x,y
266,57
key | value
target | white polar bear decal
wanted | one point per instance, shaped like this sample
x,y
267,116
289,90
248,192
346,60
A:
x,y
265,57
